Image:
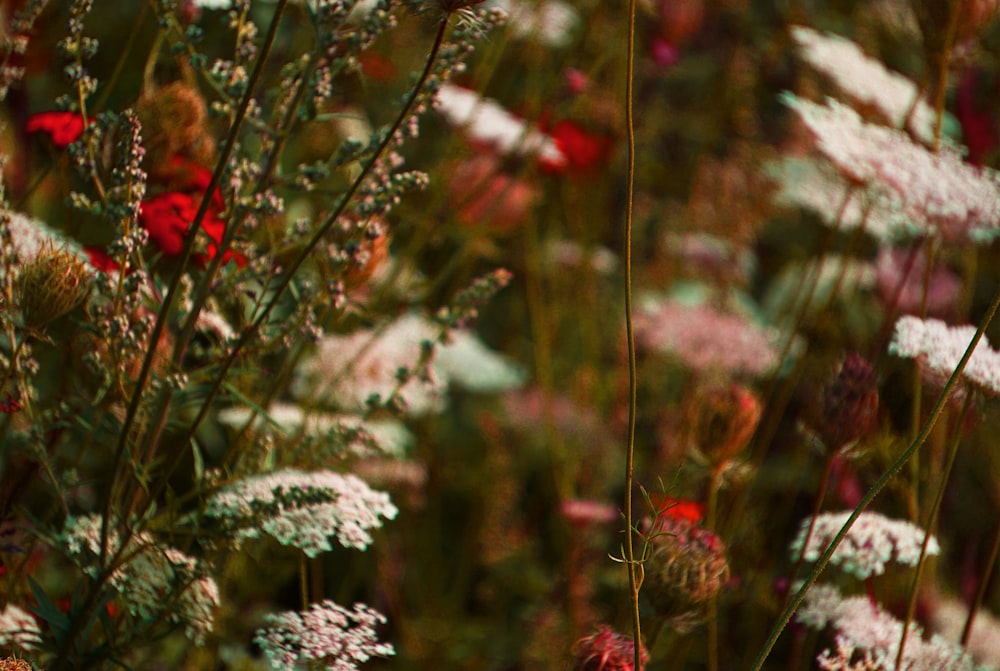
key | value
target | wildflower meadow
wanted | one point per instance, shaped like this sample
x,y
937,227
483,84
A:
x,y
499,335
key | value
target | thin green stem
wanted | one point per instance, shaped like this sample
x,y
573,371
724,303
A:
x,y
866,500
984,581
630,564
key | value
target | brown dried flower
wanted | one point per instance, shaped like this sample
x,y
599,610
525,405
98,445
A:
x,y
688,567
848,407
724,421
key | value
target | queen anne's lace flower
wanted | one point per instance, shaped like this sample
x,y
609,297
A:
x,y
871,542
339,638
932,192
864,629
704,338
940,347
18,627
865,80
154,579
347,371
304,510
488,122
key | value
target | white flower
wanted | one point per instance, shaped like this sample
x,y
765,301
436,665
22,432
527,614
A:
x,y
213,4
940,347
938,192
550,22
29,236
486,121
153,580
339,638
346,371
303,510
865,80
386,435
18,628
872,541
862,626
813,185
470,364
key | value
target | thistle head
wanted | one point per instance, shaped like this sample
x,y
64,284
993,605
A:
x,y
51,285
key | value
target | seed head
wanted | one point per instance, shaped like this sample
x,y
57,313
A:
x,y
848,407
50,285
688,567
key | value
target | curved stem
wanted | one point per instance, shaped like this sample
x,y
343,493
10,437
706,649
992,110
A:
x,y
893,469
633,582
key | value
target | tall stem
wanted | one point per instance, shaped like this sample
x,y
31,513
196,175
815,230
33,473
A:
x,y
633,582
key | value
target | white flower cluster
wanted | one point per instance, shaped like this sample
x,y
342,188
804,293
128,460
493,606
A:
x,y
303,510
153,580
18,628
487,121
947,617
339,638
865,80
932,192
550,22
872,541
811,184
346,371
863,628
28,236
940,347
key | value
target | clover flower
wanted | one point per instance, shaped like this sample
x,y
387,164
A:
x,y
865,80
154,580
939,347
328,633
303,510
937,192
872,542
863,628
487,122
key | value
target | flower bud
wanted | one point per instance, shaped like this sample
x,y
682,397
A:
x,y
50,285
848,407
687,568
724,422
607,650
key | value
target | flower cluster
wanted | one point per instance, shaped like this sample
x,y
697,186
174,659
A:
x,y
338,638
871,543
304,510
153,580
940,347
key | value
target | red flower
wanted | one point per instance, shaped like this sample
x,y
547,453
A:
x,y
101,260
585,152
168,216
183,174
63,128
681,510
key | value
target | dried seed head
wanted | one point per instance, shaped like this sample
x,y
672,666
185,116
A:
x,y
607,650
687,568
50,285
174,124
11,664
848,407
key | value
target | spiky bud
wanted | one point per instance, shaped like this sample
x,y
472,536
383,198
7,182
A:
x,y
50,285
688,567
607,650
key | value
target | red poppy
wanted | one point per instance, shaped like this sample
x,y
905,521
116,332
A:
x,y
183,174
585,152
167,218
63,128
681,510
101,260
